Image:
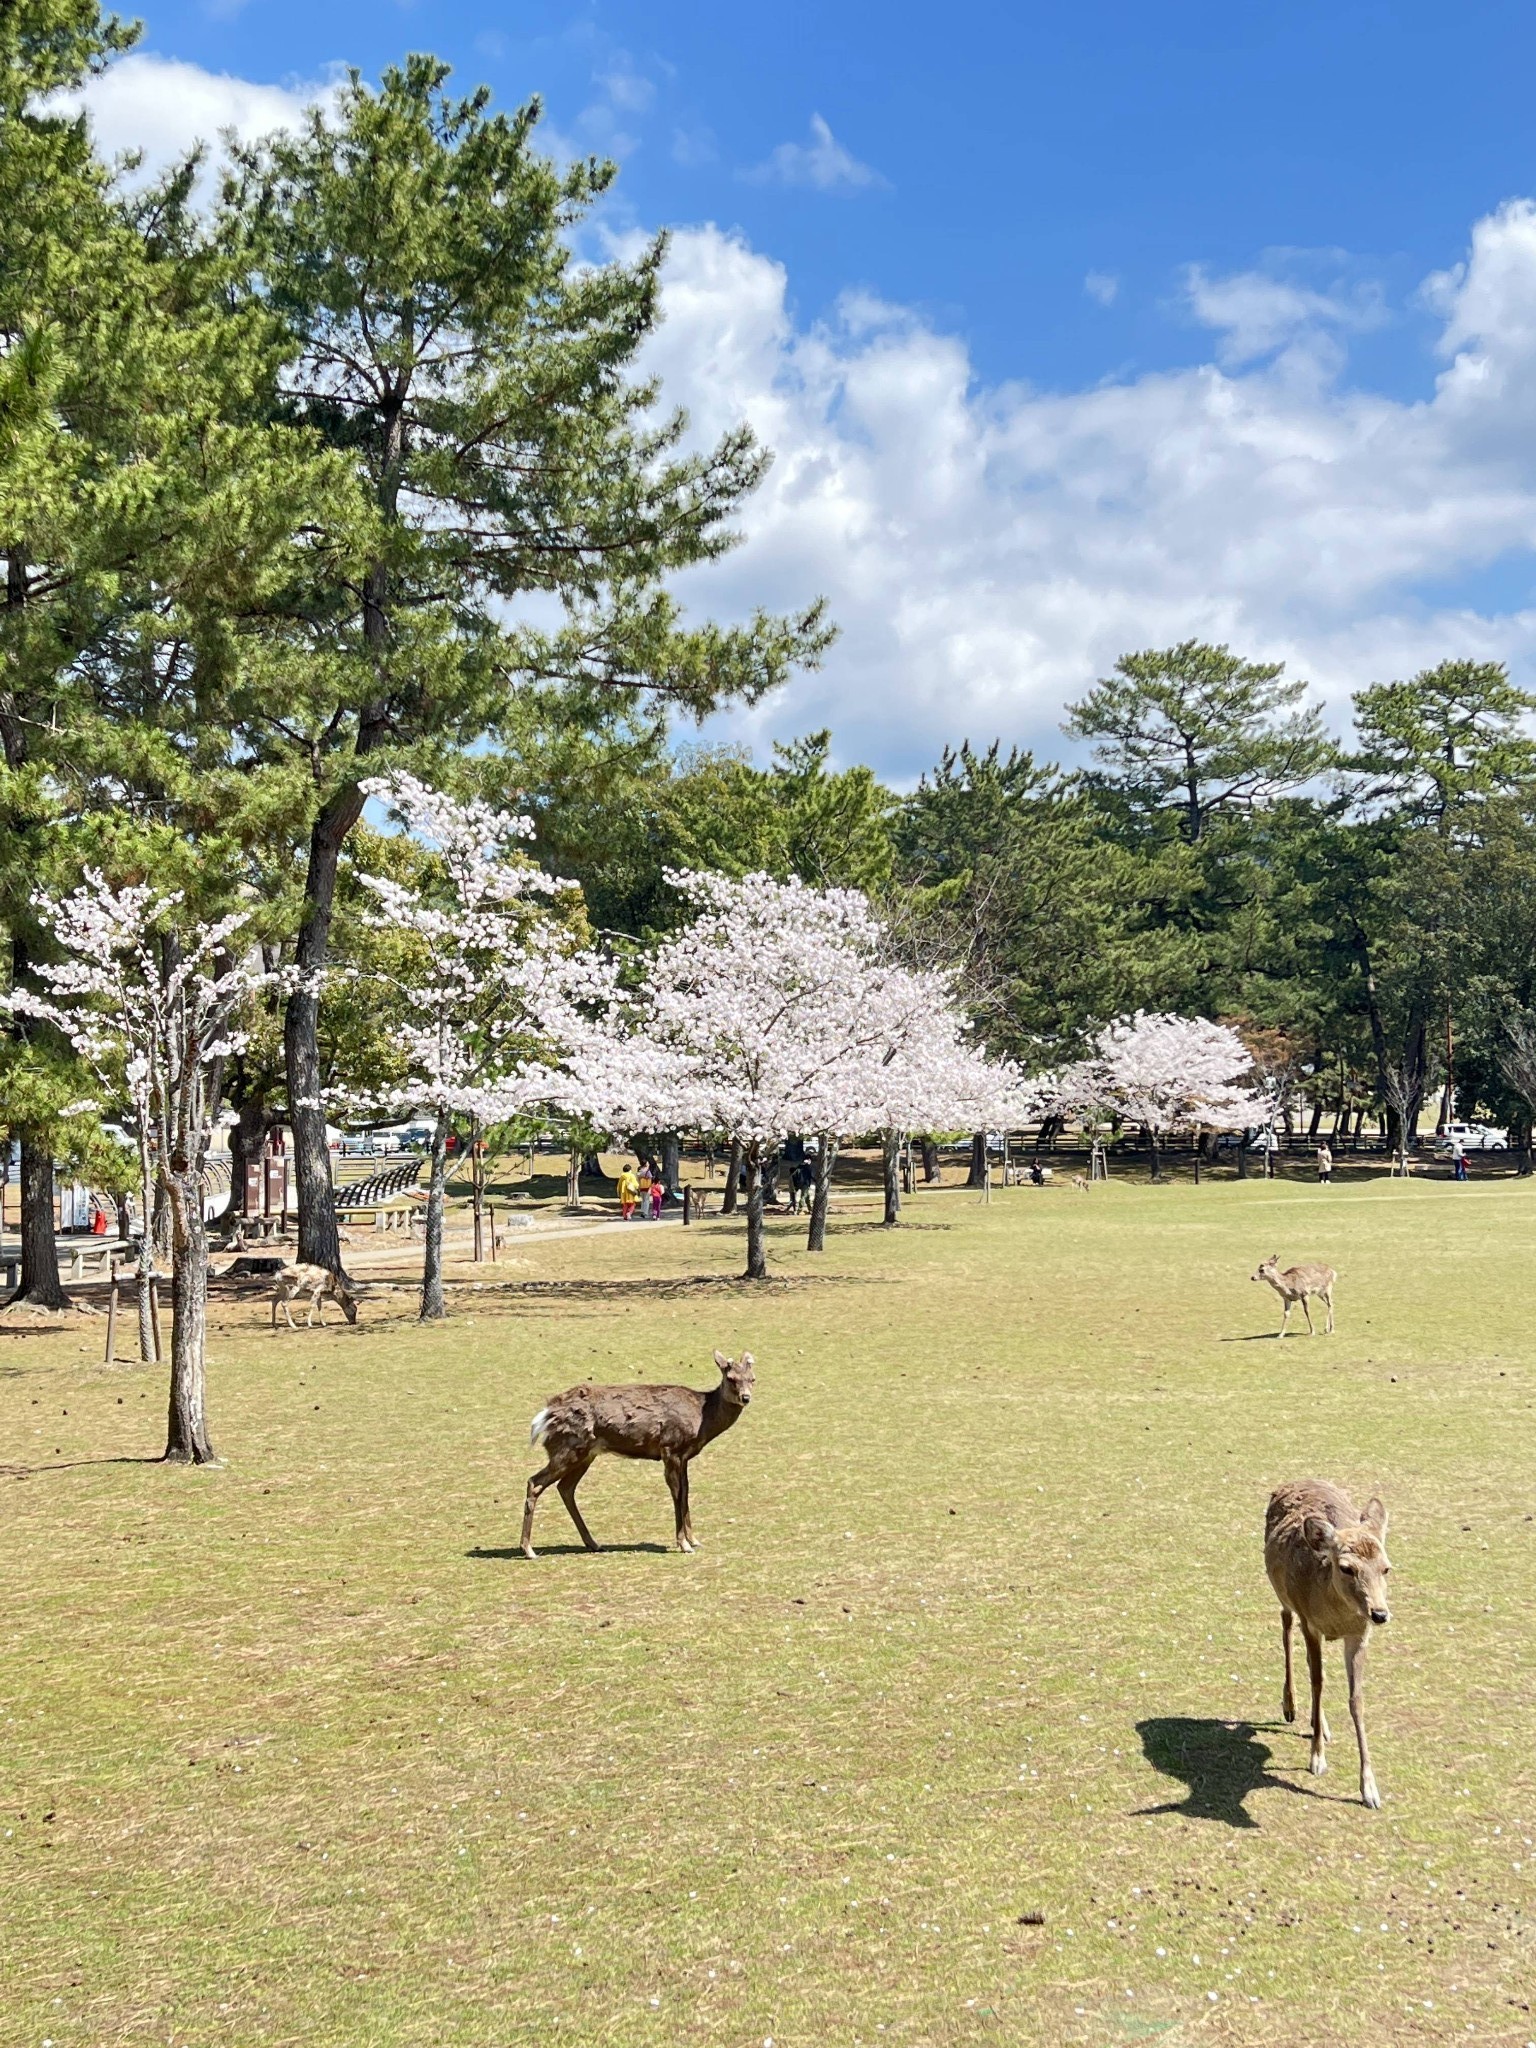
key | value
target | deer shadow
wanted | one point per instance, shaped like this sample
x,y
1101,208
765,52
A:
x,y
1221,1762
512,1553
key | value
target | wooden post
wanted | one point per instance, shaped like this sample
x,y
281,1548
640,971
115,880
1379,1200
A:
x,y
492,1210
154,1317
111,1358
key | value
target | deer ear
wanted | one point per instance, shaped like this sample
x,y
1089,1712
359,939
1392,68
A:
x,y
1319,1535
1374,1515
722,1361
748,1360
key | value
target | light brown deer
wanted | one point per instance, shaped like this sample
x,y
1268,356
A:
x,y
1299,1283
320,1284
1328,1566
669,1424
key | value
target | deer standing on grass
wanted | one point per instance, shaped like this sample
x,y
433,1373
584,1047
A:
x,y
668,1424
1328,1566
1299,1283
321,1285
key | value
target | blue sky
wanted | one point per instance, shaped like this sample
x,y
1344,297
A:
x,y
1161,303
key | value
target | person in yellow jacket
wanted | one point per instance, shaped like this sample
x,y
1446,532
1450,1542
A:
x,y
629,1190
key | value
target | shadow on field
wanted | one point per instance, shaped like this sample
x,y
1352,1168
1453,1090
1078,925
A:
x,y
514,1554
1220,1761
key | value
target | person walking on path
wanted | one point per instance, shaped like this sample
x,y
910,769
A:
x,y
658,1195
1459,1159
1324,1163
629,1190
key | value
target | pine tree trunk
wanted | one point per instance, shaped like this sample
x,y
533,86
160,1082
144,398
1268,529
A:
x,y
732,1175
40,1285
826,1159
319,1242
757,1254
977,1177
247,1143
187,1425
890,1164
433,1304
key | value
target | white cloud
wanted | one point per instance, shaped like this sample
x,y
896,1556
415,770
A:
x,y
163,106
1256,312
989,551
1102,286
822,162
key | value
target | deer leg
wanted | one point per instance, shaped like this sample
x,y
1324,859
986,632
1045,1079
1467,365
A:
x,y
1328,1297
1306,1309
687,1515
1285,1313
1318,1762
677,1486
1354,1666
1288,1698
536,1486
288,1311
566,1488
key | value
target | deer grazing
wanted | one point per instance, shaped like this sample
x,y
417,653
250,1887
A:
x,y
1328,1566
669,1424
1299,1283
321,1285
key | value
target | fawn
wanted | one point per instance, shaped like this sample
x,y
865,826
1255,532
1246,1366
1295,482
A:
x,y
1297,1283
669,1424
321,1285
1328,1566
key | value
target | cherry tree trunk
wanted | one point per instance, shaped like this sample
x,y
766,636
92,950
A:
x,y
930,1160
433,1304
186,1439
1157,1157
826,1158
977,1177
573,1185
890,1165
40,1285
671,1160
757,1254
247,1143
732,1175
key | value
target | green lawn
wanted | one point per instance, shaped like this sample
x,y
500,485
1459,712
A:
x,y
301,1751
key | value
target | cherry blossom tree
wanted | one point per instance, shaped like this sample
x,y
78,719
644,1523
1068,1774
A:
x,y
151,1000
1166,1073
496,972
773,1012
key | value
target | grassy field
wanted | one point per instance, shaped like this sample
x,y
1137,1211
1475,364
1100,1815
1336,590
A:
x,y
301,1751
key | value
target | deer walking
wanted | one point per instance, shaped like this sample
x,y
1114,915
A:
x,y
321,1285
1299,1283
1328,1566
668,1424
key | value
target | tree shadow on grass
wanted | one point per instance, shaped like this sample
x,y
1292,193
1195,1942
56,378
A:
x,y
512,1554
72,1465
660,1288
1220,1761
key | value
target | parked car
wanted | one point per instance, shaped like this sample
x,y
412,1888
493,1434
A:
x,y
1471,1138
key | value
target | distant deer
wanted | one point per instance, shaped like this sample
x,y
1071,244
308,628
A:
x,y
1298,1283
1328,1566
669,1424
320,1284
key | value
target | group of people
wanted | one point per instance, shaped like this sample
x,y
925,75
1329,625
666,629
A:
x,y
642,1187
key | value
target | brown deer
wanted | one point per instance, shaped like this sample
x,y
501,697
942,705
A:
x,y
1328,1566
1298,1283
669,1424
321,1285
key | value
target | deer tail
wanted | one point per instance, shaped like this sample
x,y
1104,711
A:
x,y
537,1427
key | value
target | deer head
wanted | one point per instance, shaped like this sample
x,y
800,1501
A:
x,y
1268,1268
1356,1561
736,1377
347,1299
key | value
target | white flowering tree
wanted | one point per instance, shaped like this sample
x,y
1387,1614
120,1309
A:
x,y
494,971
1166,1073
770,1013
151,1000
